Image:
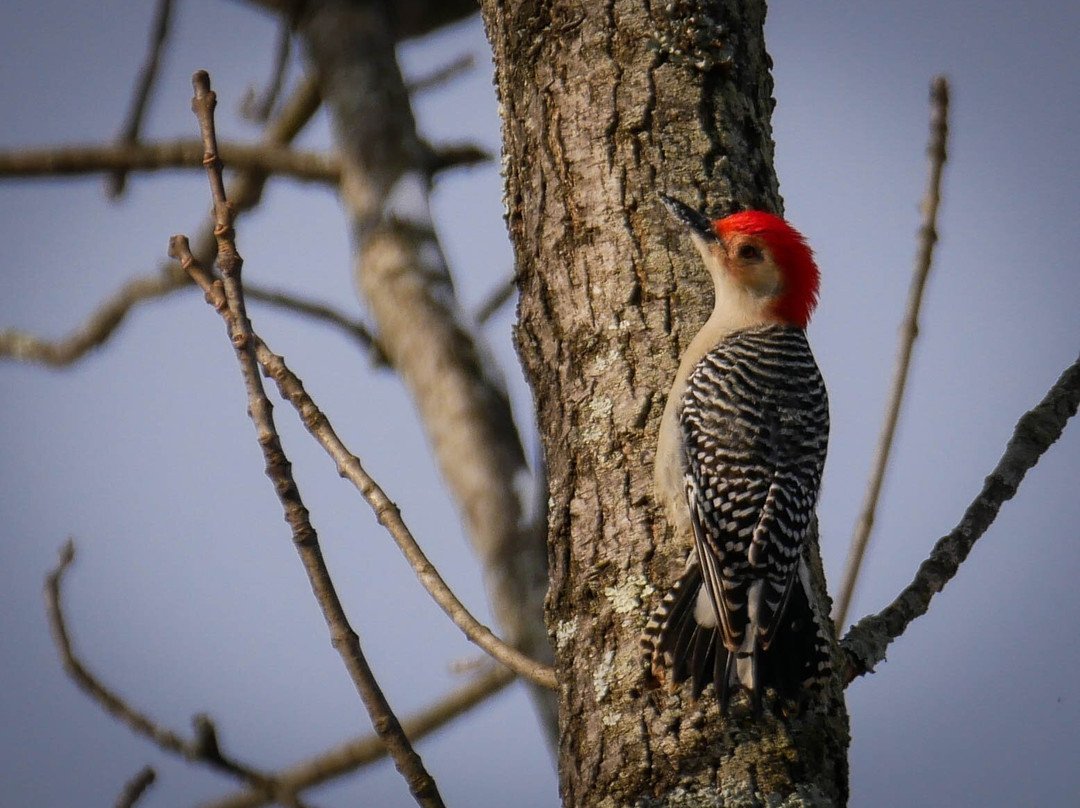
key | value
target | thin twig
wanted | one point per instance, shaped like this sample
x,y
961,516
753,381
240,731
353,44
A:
x,y
909,330
94,330
865,644
136,787
129,132
359,752
496,299
258,109
319,311
279,470
264,158
455,155
439,77
24,347
165,739
318,425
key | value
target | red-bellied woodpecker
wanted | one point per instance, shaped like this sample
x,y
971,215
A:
x,y
738,469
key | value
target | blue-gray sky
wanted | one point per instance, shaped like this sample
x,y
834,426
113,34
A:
x,y
187,594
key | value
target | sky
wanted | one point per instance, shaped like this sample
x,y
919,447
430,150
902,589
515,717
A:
x,y
186,594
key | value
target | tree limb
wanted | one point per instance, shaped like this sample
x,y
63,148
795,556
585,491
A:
x,y
129,132
278,468
349,466
245,191
442,75
95,330
319,311
256,108
495,300
866,643
265,158
102,322
909,330
428,338
410,18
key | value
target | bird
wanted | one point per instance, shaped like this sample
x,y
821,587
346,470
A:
x,y
739,460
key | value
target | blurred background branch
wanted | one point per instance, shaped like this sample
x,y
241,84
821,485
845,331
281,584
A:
x,y
349,756
144,84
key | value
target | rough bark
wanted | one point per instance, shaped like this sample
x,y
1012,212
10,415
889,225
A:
x,y
604,105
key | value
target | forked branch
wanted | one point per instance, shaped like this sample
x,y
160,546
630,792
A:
x,y
353,754
865,644
245,191
203,748
318,425
230,304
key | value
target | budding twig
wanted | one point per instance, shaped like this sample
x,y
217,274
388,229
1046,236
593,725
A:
x,y
229,302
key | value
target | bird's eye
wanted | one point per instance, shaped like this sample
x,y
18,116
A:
x,y
748,252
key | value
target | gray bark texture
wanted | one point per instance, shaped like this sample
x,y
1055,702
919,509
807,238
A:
x,y
604,105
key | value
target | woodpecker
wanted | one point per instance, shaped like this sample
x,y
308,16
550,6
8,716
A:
x,y
738,469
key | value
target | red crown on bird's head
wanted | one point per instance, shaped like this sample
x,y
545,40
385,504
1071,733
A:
x,y
799,296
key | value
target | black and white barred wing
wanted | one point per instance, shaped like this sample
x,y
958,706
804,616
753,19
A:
x,y
755,423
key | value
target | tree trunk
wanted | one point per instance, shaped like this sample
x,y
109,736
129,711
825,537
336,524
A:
x,y
604,106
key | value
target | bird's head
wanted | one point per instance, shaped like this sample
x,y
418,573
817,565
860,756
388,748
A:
x,y
761,265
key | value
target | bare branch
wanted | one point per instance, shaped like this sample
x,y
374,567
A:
x,y
496,299
909,330
101,323
388,515
75,160
95,330
258,109
279,470
411,18
129,132
136,787
319,311
167,740
359,752
246,190
460,155
292,389
866,643
447,72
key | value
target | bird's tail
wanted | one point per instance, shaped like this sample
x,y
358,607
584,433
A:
x,y
675,641
794,663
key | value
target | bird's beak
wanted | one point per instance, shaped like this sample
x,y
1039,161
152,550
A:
x,y
699,225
